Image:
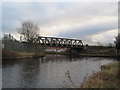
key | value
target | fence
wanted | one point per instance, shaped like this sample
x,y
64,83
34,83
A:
x,y
11,44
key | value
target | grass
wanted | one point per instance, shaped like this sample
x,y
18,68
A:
x,y
12,54
108,77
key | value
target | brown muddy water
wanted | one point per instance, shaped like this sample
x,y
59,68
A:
x,y
52,71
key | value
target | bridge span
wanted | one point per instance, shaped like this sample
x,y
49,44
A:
x,y
58,42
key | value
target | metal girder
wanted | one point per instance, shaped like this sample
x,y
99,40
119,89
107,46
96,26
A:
x,y
58,42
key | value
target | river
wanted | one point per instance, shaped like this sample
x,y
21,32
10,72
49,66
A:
x,y
52,71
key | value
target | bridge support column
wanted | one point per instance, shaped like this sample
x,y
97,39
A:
x,y
75,51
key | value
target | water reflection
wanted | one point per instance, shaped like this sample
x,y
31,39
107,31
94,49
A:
x,y
49,71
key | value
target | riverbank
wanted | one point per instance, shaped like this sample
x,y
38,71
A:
x,y
25,55
106,78
19,55
87,55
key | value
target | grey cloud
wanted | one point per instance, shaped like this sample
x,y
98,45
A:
x,y
54,14
89,30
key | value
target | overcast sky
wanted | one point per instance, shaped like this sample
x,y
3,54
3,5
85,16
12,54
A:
x,y
91,22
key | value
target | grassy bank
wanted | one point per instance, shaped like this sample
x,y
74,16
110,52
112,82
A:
x,y
86,55
108,77
19,55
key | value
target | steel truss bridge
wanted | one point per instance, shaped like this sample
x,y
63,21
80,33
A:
x,y
58,42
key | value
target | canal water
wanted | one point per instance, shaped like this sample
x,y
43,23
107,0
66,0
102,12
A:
x,y
52,71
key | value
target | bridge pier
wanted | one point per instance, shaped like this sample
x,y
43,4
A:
x,y
75,51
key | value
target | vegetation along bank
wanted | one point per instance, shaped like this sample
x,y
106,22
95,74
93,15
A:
x,y
108,77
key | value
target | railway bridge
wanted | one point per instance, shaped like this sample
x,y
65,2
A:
x,y
75,45
58,42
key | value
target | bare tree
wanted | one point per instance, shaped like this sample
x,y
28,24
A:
x,y
117,43
110,44
28,30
